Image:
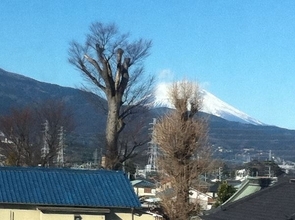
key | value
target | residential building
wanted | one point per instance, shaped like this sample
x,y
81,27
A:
x,y
276,202
67,194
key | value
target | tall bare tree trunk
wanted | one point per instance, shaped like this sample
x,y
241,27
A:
x,y
112,135
105,61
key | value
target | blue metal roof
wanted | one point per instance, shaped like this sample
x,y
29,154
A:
x,y
66,187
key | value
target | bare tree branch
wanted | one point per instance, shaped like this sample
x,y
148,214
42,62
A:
x,y
110,71
23,130
182,139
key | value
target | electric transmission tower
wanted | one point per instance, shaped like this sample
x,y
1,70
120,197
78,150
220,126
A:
x,y
45,147
153,153
60,153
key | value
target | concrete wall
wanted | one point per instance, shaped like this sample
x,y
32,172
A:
x,y
144,192
22,214
69,217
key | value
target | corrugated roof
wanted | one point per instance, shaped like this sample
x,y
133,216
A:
x,y
66,187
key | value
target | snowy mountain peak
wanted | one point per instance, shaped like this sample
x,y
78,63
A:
x,y
215,106
211,105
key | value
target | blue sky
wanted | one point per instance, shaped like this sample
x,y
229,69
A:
x,y
241,51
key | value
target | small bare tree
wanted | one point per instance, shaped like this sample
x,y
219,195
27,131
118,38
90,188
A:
x,y
181,136
20,130
113,66
133,137
23,129
55,119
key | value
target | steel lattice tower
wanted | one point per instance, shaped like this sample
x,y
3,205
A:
x,y
45,147
153,153
60,153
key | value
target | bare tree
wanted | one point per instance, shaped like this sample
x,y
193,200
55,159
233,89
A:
x,y
19,129
133,137
24,131
112,64
55,119
185,155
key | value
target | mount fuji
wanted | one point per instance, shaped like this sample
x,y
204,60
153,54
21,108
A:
x,y
210,105
229,128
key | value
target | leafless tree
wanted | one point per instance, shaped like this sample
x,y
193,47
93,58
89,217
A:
x,y
24,132
19,130
113,65
58,120
182,139
133,137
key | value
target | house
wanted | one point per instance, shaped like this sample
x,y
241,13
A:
x,y
276,202
204,200
251,185
144,187
213,188
146,192
67,194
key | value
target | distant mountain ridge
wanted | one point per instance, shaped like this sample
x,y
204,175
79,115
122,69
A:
x,y
18,91
229,139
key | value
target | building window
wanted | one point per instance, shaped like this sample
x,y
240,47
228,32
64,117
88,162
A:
x,y
77,217
147,190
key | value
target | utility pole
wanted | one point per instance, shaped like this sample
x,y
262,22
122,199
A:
x,y
219,173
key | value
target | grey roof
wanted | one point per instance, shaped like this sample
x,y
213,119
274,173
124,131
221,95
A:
x,y
275,202
251,185
142,184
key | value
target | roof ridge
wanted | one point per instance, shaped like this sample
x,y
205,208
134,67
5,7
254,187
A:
x,y
260,192
52,169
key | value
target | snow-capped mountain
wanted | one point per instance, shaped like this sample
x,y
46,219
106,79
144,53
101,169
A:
x,y
215,106
211,105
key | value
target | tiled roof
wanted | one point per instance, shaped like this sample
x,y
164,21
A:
x,y
142,184
275,202
66,187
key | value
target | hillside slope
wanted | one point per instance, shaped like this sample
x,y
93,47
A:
x,y
230,140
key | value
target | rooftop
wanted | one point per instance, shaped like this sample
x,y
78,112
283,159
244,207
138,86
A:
x,y
66,187
274,202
